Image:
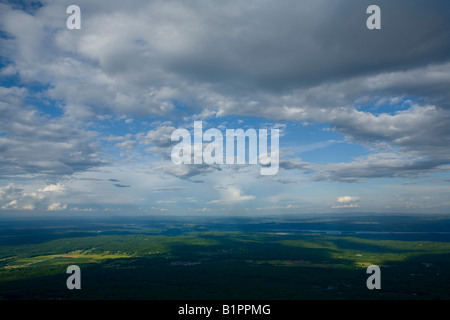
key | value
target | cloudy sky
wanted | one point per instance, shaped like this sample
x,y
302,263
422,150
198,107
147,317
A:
x,y
86,116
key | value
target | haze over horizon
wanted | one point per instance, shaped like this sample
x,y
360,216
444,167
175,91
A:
x,y
86,116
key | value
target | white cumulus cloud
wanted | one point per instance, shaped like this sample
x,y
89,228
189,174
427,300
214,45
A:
x,y
56,206
53,188
231,194
346,202
347,199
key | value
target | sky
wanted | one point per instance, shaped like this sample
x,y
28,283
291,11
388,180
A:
x,y
86,115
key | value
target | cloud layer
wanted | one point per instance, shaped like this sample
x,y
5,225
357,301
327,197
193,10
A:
x,y
37,145
74,101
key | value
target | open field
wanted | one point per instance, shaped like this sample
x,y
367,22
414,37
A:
x,y
225,259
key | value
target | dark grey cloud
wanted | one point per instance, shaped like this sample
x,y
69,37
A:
x,y
165,189
359,171
187,172
279,45
298,164
374,166
118,185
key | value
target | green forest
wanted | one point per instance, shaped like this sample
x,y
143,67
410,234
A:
x,y
198,261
